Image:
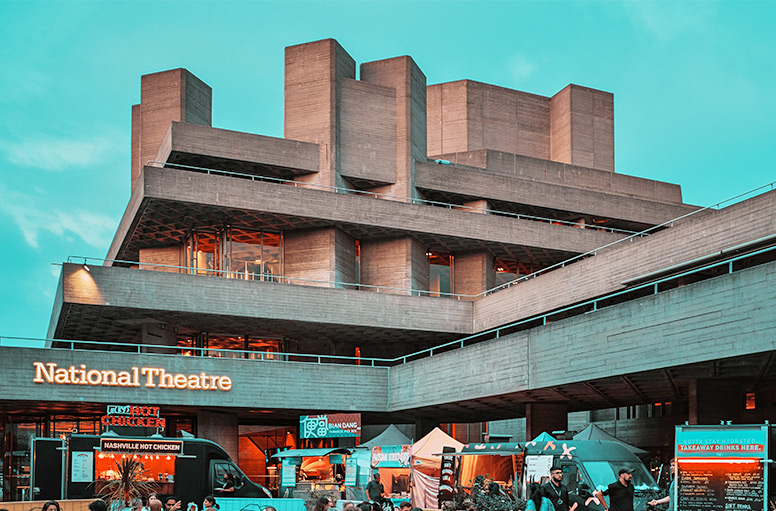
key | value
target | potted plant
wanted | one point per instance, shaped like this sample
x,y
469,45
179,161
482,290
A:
x,y
129,485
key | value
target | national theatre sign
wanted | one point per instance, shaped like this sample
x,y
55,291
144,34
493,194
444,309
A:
x,y
149,377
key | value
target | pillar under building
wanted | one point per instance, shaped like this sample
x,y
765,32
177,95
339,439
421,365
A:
x,y
547,417
221,428
714,400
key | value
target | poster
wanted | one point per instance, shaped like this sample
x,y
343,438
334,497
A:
x,y
351,471
82,467
537,467
288,475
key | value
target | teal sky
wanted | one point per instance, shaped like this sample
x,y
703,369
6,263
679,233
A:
x,y
693,85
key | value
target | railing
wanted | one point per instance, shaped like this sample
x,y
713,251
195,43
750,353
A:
x,y
395,198
267,277
589,306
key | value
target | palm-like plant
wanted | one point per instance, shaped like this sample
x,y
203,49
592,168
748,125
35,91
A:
x,y
129,485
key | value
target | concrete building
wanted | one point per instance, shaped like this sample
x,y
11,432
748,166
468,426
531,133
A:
x,y
458,254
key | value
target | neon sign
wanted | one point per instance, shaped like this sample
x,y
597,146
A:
x,y
134,416
149,377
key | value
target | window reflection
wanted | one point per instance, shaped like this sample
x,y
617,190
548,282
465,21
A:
x,y
230,346
236,253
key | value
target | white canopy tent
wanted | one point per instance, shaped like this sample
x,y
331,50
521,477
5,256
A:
x,y
426,467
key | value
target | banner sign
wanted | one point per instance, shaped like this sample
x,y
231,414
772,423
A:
x,y
721,468
721,442
351,471
330,426
131,446
288,475
391,456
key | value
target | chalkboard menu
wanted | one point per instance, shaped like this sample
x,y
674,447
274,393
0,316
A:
x,y
720,486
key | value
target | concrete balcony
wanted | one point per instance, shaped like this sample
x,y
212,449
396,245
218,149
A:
x,y
635,212
111,303
203,146
167,202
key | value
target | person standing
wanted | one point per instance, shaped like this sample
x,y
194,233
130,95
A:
x,y
620,492
668,499
536,499
374,489
555,490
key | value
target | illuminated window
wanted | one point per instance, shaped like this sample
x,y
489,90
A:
x,y
440,274
750,403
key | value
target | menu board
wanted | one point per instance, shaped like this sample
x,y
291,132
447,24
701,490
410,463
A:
x,y
720,486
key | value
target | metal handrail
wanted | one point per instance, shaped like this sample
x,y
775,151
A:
x,y
459,343
268,277
266,356
395,198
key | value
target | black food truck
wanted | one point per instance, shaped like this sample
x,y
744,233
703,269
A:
x,y
80,466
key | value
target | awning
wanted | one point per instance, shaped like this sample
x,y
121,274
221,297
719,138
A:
x,y
311,453
499,449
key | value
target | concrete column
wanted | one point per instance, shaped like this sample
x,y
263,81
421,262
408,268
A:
x,y
582,127
473,273
327,255
398,263
168,256
712,401
312,73
174,95
405,77
547,417
221,428
423,427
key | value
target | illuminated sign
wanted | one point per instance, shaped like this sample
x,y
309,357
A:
x,y
127,446
149,377
134,416
330,426
708,441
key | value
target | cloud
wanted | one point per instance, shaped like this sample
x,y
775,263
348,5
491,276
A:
x,y
49,153
521,67
666,21
33,220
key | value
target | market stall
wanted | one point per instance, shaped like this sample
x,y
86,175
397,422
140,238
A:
x,y
390,456
306,470
426,467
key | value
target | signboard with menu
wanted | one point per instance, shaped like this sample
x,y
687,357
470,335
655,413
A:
x,y
721,468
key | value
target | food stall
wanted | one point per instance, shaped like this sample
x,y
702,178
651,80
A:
x,y
304,471
390,456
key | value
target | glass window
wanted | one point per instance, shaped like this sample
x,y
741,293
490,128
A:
x,y
603,473
254,255
506,271
440,274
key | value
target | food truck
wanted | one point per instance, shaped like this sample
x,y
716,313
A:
x,y
588,466
722,467
80,466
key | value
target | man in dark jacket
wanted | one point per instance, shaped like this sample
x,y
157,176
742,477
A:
x,y
556,491
620,492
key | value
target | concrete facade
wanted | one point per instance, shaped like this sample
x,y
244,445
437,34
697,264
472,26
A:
x,y
384,194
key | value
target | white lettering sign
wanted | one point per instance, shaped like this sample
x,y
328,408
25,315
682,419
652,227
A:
x,y
149,377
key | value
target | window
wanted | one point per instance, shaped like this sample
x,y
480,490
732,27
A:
x,y
440,274
235,252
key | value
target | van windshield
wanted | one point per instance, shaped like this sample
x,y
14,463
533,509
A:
x,y
603,473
